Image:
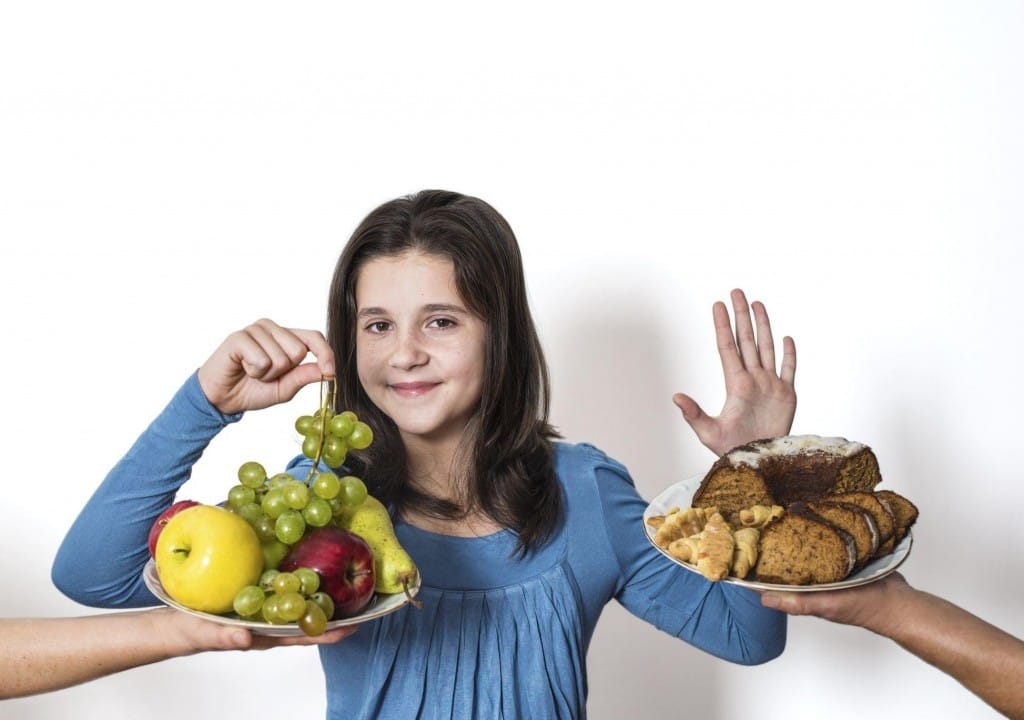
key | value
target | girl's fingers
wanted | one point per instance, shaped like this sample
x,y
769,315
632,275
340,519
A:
x,y
732,363
765,342
316,343
788,370
745,338
263,357
289,384
276,350
244,351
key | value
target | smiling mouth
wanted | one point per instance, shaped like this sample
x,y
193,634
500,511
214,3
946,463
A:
x,y
412,390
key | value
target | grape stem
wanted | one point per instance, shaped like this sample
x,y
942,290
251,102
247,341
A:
x,y
328,400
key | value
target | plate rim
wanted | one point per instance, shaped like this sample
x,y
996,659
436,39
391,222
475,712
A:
x,y
870,573
376,609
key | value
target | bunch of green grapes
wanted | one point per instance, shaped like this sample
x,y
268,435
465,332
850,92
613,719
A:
x,y
281,508
287,597
328,436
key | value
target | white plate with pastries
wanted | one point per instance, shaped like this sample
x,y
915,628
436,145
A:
x,y
680,495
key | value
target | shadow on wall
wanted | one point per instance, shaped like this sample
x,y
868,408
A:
x,y
958,477
612,386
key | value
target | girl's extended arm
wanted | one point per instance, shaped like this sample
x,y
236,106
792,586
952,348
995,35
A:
x,y
42,654
724,620
986,660
101,559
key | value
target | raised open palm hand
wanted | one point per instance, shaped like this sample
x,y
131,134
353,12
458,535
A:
x,y
760,400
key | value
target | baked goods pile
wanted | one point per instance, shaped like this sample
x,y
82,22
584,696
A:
x,y
703,537
794,510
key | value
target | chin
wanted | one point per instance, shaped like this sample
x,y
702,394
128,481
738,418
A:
x,y
428,431
425,421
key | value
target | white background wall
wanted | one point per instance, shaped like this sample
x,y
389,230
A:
x,y
169,173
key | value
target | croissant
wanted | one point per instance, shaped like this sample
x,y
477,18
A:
x,y
745,553
685,549
759,515
679,524
715,548
702,537
667,531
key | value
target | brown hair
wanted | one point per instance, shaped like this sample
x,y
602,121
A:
x,y
508,471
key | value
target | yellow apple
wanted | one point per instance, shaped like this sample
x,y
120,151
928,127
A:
x,y
205,555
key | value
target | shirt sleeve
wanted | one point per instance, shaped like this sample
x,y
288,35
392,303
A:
x,y
100,560
722,619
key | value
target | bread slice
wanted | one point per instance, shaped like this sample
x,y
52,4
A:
x,y
904,511
853,519
884,518
800,548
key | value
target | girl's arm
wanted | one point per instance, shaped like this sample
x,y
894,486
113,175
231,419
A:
x,y
39,655
101,558
724,620
986,660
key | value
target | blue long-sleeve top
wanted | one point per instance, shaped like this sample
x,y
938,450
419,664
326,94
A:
x,y
498,636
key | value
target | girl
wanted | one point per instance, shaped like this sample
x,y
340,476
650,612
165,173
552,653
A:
x,y
520,539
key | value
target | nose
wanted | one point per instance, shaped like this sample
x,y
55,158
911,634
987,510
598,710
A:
x,y
409,351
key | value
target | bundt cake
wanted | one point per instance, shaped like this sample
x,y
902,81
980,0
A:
x,y
788,469
833,521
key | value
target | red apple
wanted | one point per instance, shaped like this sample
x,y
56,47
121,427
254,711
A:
x,y
344,562
158,525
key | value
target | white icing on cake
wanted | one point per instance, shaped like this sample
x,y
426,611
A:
x,y
794,445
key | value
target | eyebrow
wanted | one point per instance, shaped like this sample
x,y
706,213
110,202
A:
x,y
430,308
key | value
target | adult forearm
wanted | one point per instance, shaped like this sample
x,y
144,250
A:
x,y
38,655
43,654
986,660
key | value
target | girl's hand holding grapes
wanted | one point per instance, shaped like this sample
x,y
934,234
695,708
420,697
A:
x,y
263,365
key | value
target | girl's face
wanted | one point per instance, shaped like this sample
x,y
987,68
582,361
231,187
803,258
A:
x,y
419,350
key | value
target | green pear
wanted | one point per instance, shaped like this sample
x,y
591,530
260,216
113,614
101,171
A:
x,y
394,570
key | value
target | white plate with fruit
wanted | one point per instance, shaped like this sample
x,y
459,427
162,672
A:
x,y
283,555
379,606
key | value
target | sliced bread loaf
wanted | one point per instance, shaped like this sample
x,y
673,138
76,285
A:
x,y
853,519
904,511
800,548
884,518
